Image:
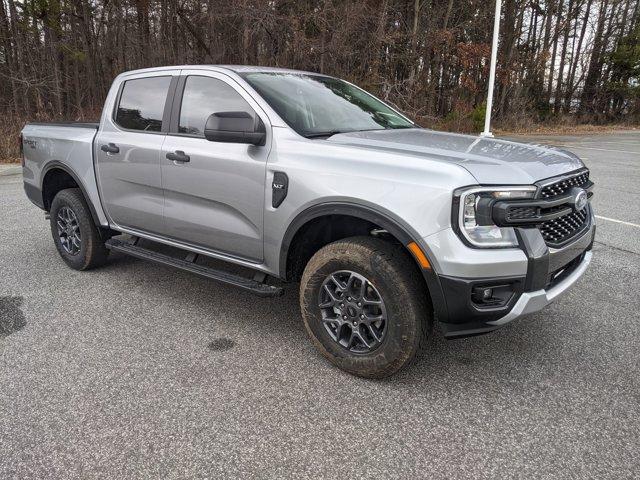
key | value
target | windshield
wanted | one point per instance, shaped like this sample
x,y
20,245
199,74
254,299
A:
x,y
316,106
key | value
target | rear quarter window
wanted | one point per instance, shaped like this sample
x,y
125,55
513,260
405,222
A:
x,y
142,103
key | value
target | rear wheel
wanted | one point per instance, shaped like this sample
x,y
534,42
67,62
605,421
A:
x,y
76,236
364,306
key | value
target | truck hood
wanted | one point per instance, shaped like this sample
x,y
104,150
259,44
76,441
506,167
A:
x,y
489,160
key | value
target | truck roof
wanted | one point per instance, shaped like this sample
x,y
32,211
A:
x,y
233,68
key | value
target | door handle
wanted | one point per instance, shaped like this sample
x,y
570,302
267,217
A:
x,y
111,148
178,156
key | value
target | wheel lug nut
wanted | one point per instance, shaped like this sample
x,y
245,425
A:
x,y
362,316
344,316
342,305
349,298
359,304
355,323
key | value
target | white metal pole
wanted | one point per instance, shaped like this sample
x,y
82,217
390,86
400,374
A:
x,y
492,70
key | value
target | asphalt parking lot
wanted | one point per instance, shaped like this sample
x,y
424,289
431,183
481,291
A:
x,y
140,371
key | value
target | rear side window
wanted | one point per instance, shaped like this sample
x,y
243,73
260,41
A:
x,y
142,103
204,96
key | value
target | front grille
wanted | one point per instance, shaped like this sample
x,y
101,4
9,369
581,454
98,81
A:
x,y
531,213
563,186
552,210
559,231
523,213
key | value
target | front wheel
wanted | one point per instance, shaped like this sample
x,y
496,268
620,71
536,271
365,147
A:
x,y
364,306
76,236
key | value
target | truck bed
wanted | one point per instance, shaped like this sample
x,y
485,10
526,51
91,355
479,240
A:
x,y
64,146
93,125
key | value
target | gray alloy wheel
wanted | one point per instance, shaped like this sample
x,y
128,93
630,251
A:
x,y
365,305
78,239
69,231
353,311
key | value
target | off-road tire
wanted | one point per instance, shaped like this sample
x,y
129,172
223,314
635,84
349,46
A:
x,y
92,252
395,275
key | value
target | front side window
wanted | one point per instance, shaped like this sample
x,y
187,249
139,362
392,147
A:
x,y
204,96
142,103
315,105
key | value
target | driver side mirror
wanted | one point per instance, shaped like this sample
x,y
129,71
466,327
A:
x,y
235,127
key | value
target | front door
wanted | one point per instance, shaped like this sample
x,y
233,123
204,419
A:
x,y
127,150
215,199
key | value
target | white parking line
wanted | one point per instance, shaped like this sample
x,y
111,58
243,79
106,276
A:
x,y
618,221
619,141
570,145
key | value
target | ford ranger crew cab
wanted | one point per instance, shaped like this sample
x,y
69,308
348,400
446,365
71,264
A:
x,y
296,178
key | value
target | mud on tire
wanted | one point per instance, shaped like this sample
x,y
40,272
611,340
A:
x,y
74,232
388,272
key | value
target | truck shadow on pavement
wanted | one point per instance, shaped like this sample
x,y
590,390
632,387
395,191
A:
x,y
12,318
219,311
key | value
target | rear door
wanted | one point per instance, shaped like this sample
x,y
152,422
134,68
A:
x,y
216,199
128,147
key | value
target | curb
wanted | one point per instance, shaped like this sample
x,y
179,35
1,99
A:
x,y
7,170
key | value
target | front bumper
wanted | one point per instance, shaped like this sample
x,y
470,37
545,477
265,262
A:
x,y
544,275
530,302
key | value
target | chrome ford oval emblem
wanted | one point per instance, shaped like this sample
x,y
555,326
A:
x,y
580,199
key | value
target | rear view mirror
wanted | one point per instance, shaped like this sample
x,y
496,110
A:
x,y
235,127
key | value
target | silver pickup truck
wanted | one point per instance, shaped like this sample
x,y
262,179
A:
x,y
389,228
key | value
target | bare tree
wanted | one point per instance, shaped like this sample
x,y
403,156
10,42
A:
x,y
556,57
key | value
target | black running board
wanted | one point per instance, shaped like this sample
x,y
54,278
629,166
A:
x,y
253,286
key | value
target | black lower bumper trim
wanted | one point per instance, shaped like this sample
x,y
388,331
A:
x,y
537,254
462,330
466,318
461,307
34,194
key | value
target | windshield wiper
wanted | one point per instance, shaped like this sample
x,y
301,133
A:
x,y
330,133
325,134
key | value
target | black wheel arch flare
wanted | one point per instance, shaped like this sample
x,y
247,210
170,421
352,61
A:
x,y
57,165
363,212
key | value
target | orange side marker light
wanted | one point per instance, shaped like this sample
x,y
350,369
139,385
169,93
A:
x,y
420,256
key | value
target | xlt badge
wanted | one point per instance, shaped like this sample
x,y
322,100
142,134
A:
x,y
279,188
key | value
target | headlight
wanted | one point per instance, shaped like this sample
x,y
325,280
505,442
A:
x,y
473,218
